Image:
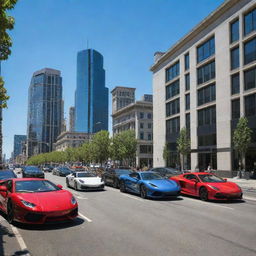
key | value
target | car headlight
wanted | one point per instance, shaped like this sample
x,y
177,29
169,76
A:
x,y
28,204
81,181
153,185
73,200
215,188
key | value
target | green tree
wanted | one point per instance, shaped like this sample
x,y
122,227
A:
x,y
183,145
6,23
242,140
166,154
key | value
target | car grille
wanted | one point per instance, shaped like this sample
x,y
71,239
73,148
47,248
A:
x,y
33,217
65,217
92,188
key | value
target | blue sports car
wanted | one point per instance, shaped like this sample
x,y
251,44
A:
x,y
149,184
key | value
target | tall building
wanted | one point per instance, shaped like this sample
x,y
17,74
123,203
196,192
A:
x,y
137,116
71,119
206,82
45,114
19,141
91,97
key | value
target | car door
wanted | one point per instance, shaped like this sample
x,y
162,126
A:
x,y
190,185
133,182
2,194
72,179
5,195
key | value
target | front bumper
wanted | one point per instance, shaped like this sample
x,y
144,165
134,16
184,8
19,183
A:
x,y
163,194
91,187
227,196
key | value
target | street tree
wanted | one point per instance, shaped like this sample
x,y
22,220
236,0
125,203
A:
x,y
241,140
183,146
166,154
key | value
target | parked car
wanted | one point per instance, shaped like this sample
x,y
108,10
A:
x,y
208,186
36,201
84,181
61,171
166,172
32,172
112,176
7,174
149,185
47,168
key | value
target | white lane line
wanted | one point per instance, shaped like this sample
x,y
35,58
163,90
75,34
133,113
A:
x,y
20,240
79,197
133,197
84,217
249,198
205,203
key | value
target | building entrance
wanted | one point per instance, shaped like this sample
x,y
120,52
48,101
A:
x,y
206,159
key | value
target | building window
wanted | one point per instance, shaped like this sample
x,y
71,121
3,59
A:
x,y
250,51
187,101
206,73
172,71
235,106
250,22
142,135
149,136
207,116
207,140
250,79
146,149
173,89
141,125
188,121
149,125
206,94
186,60
235,83
206,50
141,115
173,126
234,58
187,81
149,115
234,31
250,105
173,107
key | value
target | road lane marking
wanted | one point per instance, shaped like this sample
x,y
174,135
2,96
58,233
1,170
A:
x,y
20,240
84,217
133,197
249,198
79,197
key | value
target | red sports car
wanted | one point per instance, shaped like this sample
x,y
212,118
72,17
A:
x,y
36,201
208,186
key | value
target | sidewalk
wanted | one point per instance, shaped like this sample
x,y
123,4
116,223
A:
x,y
248,185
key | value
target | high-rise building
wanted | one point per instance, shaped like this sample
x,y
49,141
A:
x,y
19,141
45,113
91,97
72,119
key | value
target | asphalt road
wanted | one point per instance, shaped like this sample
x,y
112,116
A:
x,y
116,224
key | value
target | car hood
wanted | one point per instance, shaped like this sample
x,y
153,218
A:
x,y
91,180
225,186
164,183
48,201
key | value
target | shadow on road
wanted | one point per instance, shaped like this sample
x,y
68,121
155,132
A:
x,y
4,231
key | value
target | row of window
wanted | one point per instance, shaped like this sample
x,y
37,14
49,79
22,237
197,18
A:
x,y
173,71
142,125
146,149
206,73
173,107
172,89
143,137
145,115
206,94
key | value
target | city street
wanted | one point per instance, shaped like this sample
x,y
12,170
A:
x,y
113,223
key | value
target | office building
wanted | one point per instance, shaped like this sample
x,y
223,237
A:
x,y
19,141
206,82
91,97
71,119
45,111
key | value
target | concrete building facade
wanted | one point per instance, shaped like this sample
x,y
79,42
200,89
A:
x,y
72,119
206,82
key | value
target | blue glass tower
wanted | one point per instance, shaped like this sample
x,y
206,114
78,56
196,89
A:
x,y
19,141
91,97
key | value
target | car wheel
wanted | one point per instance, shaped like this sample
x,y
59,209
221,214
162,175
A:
x,y
116,184
67,183
143,192
76,186
10,212
122,187
203,194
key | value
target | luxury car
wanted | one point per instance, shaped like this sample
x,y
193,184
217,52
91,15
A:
x,y
47,168
36,201
111,176
32,172
208,186
84,181
149,185
61,171
166,172
7,174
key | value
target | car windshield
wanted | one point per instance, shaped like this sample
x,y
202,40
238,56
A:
x,y
32,169
122,171
65,170
172,171
210,178
151,176
32,186
85,174
6,175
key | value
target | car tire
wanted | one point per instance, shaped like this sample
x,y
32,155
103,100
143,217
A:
x,y
122,187
116,183
203,194
67,183
10,212
143,192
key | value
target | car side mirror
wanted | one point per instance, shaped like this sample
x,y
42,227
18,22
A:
x,y
59,186
195,180
225,179
3,188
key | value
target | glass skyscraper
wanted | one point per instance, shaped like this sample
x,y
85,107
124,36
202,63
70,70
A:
x,y
45,113
91,97
19,142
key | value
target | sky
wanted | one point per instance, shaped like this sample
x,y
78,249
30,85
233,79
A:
x,y
49,33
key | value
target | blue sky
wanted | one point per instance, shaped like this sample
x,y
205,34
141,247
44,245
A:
x,y
49,33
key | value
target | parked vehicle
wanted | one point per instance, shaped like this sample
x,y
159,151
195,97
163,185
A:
x,y
61,171
112,176
208,186
7,174
149,185
47,168
32,172
36,201
166,172
84,181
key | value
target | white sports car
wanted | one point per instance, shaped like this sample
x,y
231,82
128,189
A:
x,y
84,181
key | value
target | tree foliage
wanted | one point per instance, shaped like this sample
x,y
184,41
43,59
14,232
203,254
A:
x,y
166,154
183,145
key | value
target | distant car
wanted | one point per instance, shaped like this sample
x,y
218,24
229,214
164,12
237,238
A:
x,y
61,171
84,181
7,174
32,172
149,185
166,172
36,201
47,168
208,186
111,176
